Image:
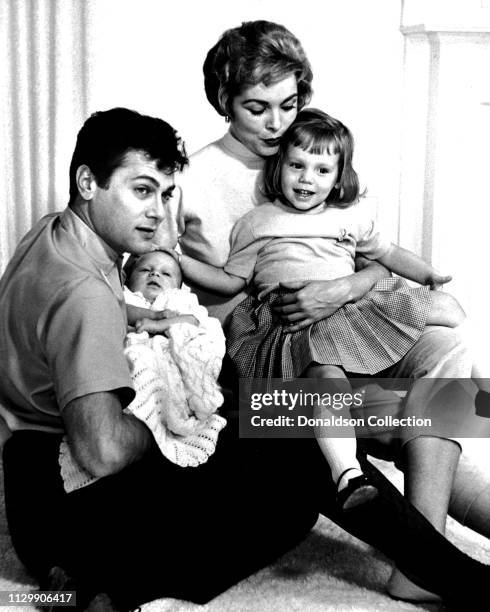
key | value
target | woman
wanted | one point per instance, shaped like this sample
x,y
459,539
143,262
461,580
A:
x,y
258,77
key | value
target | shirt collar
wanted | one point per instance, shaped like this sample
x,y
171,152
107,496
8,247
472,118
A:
x,y
97,249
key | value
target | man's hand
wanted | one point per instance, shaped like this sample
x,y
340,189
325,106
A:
x,y
161,325
311,301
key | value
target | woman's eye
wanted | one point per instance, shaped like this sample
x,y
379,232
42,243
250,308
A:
x,y
324,170
288,108
256,111
295,165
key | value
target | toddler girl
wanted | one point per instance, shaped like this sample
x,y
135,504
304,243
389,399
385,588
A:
x,y
312,230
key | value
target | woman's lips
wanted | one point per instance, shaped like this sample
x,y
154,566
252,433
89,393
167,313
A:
x,y
271,142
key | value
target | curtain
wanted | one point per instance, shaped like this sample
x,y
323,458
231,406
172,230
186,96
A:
x,y
44,82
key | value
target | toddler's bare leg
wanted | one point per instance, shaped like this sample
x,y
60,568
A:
x,y
445,310
340,453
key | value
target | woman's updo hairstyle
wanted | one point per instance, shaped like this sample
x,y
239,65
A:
x,y
255,52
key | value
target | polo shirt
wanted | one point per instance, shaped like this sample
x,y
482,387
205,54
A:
x,y
62,323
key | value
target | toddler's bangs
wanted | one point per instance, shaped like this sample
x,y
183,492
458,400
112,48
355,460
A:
x,y
317,142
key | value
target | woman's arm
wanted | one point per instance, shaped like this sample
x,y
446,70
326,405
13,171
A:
x,y
310,301
210,278
411,266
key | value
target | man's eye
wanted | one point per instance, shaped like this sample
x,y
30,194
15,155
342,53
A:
x,y
142,190
166,196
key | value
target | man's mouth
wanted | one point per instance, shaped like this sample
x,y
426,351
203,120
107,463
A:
x,y
149,231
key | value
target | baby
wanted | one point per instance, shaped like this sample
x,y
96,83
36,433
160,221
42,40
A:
x,y
185,355
174,372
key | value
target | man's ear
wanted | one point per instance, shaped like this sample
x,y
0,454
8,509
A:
x,y
86,182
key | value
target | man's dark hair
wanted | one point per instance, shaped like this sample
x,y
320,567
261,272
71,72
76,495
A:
x,y
107,136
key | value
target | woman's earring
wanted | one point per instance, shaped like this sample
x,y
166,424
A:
x,y
227,118
341,190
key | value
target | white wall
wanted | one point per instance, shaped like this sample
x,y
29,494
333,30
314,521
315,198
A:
x,y
148,55
445,192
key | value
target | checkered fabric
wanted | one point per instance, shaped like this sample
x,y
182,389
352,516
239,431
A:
x,y
365,337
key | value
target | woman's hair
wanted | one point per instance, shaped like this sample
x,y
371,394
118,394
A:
x,y
316,132
106,137
255,52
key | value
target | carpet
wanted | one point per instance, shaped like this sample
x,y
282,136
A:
x,y
330,571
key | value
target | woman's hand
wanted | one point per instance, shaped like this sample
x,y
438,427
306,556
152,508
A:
x,y
310,301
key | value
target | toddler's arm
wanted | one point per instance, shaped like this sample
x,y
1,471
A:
x,y
210,278
411,266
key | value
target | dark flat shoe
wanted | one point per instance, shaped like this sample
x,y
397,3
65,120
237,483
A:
x,y
359,490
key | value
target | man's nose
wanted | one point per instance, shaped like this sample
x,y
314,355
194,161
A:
x,y
156,209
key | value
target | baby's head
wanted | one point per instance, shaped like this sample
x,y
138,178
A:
x,y
153,273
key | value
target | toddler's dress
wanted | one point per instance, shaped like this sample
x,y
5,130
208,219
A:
x,y
275,243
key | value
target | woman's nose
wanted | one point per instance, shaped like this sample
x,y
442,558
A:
x,y
274,120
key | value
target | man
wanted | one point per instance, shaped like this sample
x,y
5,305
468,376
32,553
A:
x,y
147,528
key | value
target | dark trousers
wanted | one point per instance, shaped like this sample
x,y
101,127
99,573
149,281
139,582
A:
x,y
156,529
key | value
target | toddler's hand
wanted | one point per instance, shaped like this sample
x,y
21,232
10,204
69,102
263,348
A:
x,y
436,280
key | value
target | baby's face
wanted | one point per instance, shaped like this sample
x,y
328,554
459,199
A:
x,y
153,273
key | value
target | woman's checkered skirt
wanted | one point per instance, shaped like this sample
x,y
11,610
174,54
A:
x,y
365,337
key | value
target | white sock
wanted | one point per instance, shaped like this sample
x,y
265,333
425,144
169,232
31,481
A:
x,y
341,456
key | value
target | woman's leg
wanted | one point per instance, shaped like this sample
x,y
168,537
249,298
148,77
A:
x,y
430,461
470,499
423,458
447,311
340,452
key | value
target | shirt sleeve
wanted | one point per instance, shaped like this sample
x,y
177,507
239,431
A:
x,y
243,252
372,242
83,334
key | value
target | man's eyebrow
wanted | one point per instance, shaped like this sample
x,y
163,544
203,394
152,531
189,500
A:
x,y
146,177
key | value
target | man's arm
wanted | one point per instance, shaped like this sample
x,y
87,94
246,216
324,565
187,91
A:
x,y
310,301
101,436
